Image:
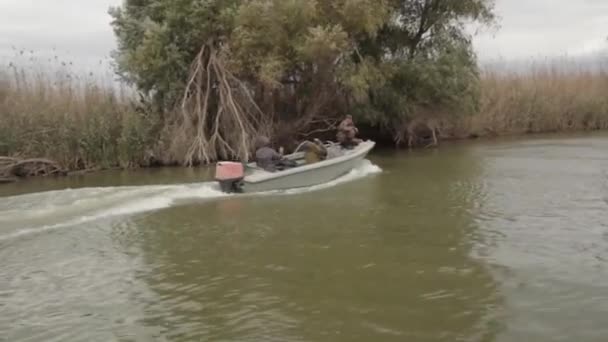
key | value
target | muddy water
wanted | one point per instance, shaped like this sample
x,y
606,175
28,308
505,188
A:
x,y
500,241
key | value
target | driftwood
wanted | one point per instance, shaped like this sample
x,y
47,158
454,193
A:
x,y
4,161
13,168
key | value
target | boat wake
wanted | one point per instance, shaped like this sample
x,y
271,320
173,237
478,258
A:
x,y
39,212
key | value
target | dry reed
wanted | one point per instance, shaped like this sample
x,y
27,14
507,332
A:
x,y
79,121
547,98
83,122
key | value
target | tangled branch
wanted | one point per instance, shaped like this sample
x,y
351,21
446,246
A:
x,y
218,117
12,168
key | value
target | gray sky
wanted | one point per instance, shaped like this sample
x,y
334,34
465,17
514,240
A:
x,y
533,28
79,29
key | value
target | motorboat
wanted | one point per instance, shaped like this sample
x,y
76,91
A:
x,y
235,177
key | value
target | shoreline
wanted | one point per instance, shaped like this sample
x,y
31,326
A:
x,y
446,142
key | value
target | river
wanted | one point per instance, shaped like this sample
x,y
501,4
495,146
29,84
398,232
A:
x,y
479,241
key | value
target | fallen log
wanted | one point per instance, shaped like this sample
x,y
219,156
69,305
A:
x,y
7,161
14,167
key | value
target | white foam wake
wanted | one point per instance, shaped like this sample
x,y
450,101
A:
x,y
35,213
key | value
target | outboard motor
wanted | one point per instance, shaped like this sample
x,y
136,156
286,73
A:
x,y
230,176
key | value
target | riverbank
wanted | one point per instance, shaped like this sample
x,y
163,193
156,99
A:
x,y
82,123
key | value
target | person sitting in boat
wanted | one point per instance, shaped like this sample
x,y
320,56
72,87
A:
x,y
347,132
268,158
314,152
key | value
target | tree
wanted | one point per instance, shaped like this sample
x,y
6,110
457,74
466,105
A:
x,y
159,39
302,61
172,51
296,50
425,61
388,61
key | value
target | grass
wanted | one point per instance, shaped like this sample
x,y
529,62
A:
x,y
83,122
79,121
547,98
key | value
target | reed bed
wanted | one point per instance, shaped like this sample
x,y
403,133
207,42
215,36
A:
x,y
79,121
545,98
82,121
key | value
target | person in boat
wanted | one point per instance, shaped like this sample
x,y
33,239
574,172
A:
x,y
347,132
268,158
314,152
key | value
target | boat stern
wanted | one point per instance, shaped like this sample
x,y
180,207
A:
x,y
230,176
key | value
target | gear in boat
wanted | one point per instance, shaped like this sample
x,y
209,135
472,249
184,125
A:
x,y
312,163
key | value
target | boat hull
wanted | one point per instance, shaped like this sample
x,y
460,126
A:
x,y
308,175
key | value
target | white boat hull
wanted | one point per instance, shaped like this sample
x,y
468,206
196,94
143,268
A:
x,y
307,175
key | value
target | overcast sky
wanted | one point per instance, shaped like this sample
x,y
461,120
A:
x,y
528,28
532,28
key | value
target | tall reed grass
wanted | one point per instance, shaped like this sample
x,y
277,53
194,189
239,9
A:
x,y
82,121
79,121
546,98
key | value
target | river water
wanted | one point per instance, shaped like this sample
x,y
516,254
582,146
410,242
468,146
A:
x,y
492,241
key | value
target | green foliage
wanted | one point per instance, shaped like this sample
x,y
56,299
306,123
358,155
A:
x,y
301,49
266,36
431,60
448,78
158,39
